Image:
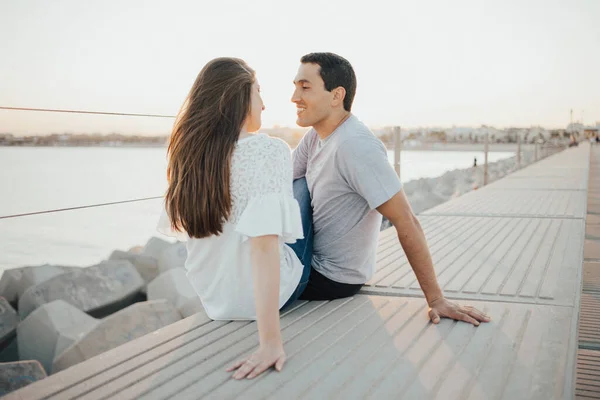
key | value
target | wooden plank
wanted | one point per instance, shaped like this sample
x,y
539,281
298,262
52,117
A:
x,y
591,277
589,321
531,260
588,375
523,354
516,203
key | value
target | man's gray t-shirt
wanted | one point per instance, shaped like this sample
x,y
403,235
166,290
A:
x,y
348,176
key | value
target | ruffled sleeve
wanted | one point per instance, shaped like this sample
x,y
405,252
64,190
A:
x,y
271,214
164,227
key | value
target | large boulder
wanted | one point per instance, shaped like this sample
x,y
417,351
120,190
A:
x,y
155,247
50,329
9,320
174,286
172,257
98,290
32,276
10,351
9,284
191,307
126,325
146,265
16,281
15,375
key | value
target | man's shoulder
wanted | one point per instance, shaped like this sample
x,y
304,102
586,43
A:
x,y
358,139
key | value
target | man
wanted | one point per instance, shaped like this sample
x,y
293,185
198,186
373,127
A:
x,y
351,185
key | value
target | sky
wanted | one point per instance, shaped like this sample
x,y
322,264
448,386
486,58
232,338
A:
x,y
418,63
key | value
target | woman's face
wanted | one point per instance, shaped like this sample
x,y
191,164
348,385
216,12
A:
x,y
253,121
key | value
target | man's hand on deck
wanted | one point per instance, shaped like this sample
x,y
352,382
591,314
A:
x,y
442,308
265,357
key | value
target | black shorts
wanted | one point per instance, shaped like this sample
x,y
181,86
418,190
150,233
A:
x,y
322,288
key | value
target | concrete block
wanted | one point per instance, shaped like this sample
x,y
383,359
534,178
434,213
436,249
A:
x,y
16,281
9,351
56,323
9,319
98,290
174,286
146,265
155,246
136,249
32,276
16,375
9,284
126,325
173,256
190,307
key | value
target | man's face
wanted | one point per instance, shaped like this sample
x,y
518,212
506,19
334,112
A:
x,y
313,102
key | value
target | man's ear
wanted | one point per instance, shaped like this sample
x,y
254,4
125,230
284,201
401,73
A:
x,y
339,93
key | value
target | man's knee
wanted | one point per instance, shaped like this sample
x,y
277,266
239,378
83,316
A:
x,y
302,195
300,186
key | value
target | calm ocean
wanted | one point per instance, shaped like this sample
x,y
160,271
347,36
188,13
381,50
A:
x,y
41,178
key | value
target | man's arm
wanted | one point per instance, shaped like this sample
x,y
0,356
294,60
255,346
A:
x,y
300,157
412,239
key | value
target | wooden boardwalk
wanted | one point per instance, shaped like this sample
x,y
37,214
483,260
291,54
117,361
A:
x,y
515,249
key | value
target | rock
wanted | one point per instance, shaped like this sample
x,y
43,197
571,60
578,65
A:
x,y
32,276
173,256
136,249
155,246
9,352
420,201
147,266
15,375
9,284
191,307
98,290
8,322
126,325
175,287
16,281
50,329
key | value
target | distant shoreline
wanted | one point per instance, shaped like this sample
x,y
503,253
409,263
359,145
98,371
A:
x,y
504,147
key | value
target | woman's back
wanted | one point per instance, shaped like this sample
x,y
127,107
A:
x,y
262,203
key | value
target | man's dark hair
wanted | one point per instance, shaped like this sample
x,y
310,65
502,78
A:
x,y
335,71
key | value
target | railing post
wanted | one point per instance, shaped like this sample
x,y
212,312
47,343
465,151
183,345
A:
x,y
397,149
519,150
485,165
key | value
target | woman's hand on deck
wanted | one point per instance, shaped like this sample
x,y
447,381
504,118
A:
x,y
441,308
261,360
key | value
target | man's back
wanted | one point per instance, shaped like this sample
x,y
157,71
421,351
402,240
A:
x,y
348,176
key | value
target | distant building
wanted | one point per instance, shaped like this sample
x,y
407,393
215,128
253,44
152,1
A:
x,y
575,127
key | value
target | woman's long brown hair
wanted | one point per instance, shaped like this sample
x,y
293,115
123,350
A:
x,y
198,200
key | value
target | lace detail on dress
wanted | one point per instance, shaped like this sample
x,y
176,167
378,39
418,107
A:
x,y
260,165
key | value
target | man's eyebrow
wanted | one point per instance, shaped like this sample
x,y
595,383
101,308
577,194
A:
x,y
301,81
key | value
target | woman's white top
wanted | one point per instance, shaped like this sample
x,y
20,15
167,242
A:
x,y
219,267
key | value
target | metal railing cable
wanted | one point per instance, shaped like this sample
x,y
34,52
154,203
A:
x,y
78,207
86,112
82,112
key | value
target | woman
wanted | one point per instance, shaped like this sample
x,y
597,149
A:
x,y
230,196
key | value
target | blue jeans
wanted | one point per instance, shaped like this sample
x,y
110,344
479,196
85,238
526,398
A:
x,y
304,247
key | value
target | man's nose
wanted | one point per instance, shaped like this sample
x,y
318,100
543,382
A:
x,y
295,96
